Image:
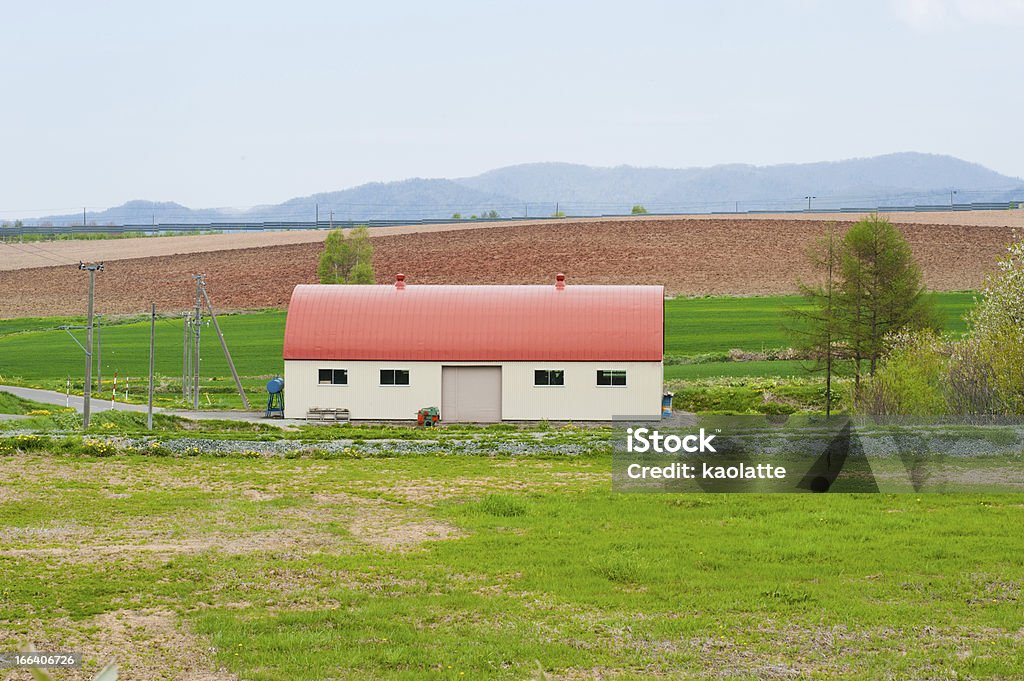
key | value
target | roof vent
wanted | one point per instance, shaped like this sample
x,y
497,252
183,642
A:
x,y
399,281
559,281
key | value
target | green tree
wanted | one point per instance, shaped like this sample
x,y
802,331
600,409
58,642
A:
x,y
456,216
816,329
997,332
871,289
879,293
639,210
491,214
347,259
979,374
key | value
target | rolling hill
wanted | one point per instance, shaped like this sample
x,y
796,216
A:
x,y
538,189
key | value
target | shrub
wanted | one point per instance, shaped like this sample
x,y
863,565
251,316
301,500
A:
x,y
982,373
911,379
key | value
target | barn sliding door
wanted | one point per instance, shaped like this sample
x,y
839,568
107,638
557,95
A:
x,y
471,394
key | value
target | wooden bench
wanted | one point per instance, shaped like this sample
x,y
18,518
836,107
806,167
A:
x,y
327,414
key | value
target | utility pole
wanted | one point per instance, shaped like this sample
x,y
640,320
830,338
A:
x,y
99,357
91,268
152,346
809,201
197,321
83,217
830,322
223,343
185,370
332,219
318,215
951,192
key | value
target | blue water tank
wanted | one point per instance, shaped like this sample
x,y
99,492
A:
x,y
275,385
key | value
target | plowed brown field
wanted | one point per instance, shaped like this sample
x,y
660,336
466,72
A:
x,y
690,256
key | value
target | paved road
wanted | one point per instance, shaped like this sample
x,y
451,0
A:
x,y
98,405
62,400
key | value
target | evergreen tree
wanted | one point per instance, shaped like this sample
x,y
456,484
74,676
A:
x,y
816,324
880,291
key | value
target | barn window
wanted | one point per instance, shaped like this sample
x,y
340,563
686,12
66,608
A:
x,y
394,377
613,377
334,377
548,377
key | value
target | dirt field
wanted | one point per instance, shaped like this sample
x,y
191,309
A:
x,y
24,256
691,256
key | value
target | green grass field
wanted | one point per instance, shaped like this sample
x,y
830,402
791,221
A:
x,y
759,368
489,567
716,324
34,352
405,564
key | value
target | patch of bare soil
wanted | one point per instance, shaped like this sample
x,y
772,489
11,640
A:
x,y
397,532
386,525
148,645
746,255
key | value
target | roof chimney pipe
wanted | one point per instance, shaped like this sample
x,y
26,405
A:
x,y
560,281
399,281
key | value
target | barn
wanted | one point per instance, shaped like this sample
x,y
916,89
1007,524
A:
x,y
479,353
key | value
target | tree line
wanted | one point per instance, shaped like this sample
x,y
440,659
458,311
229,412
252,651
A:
x,y
870,309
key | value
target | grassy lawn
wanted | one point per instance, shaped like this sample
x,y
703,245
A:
x,y
491,567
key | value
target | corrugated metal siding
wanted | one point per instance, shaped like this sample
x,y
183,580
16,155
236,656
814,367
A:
x,y
475,323
580,399
471,393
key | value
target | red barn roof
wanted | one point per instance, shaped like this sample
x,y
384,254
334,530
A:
x,y
475,323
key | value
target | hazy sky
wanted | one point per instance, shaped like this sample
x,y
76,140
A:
x,y
242,103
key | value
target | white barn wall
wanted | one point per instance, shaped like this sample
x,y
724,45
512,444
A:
x,y
364,397
580,399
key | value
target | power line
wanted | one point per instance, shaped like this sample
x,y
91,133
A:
x,y
40,254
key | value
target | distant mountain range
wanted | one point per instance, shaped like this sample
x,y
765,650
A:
x,y
541,189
